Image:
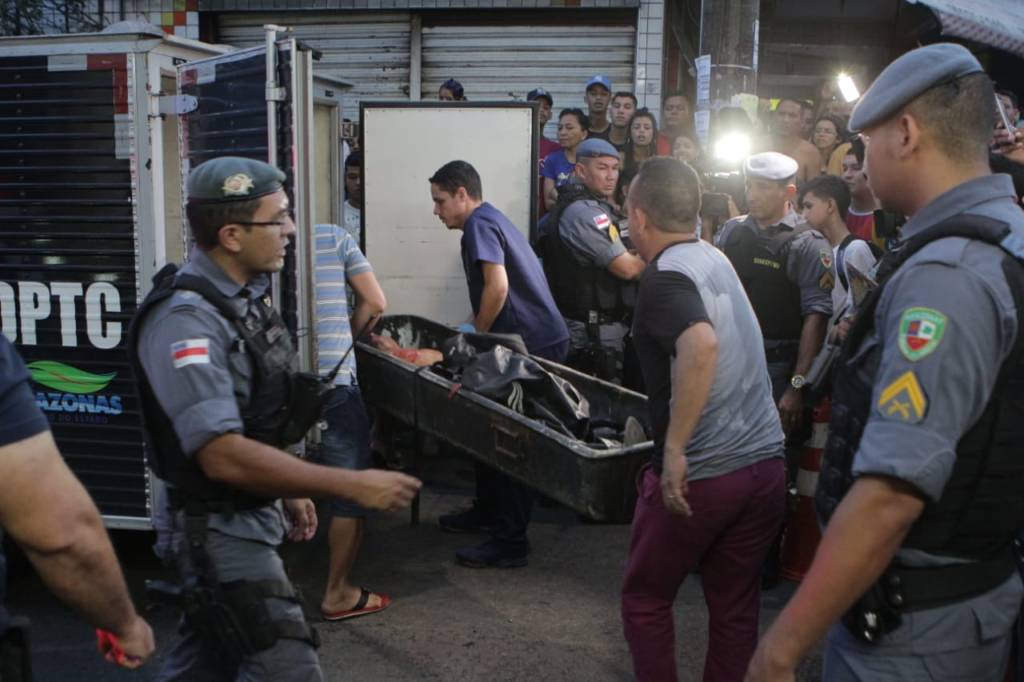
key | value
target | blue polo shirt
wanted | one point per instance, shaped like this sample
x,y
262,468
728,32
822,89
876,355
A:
x,y
530,311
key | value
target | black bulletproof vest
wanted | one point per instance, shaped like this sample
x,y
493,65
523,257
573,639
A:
x,y
263,336
982,506
580,289
760,260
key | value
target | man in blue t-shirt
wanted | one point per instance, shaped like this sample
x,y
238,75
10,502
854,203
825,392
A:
x,y
509,295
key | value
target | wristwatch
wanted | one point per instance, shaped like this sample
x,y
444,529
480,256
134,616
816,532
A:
x,y
798,381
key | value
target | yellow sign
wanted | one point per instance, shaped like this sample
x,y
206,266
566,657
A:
x,y
903,399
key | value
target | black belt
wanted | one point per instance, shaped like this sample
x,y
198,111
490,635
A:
x,y
934,586
785,352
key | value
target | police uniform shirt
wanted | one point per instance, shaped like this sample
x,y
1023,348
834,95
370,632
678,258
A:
x,y
20,416
199,375
809,266
946,321
591,232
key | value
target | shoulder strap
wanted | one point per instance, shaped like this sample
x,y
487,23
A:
x,y
207,290
841,260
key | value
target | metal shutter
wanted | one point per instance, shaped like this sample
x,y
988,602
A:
x,y
504,61
369,50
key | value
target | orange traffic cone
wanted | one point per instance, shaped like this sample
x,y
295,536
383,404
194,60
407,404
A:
x,y
802,533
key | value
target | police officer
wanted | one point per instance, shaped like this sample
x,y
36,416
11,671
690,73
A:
x,y
922,475
591,273
786,270
214,363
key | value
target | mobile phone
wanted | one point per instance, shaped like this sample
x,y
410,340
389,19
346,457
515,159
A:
x,y
1010,128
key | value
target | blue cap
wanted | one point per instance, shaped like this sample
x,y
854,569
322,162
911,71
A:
x,y
594,147
233,178
908,77
599,80
538,93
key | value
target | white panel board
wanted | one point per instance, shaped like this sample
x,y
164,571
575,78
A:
x,y
415,257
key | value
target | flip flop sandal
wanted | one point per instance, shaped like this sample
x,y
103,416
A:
x,y
360,609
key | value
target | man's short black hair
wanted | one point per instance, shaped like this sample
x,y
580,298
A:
x,y
1013,98
857,149
206,218
668,191
455,174
958,115
794,100
675,93
828,187
623,93
355,160
583,119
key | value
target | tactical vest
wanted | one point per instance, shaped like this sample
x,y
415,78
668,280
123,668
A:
x,y
982,506
582,289
761,262
263,335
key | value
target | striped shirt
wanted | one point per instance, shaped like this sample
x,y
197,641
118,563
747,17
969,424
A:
x,y
337,259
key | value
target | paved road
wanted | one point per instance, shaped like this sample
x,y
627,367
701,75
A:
x,y
557,619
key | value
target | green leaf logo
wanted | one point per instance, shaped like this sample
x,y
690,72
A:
x,y
67,379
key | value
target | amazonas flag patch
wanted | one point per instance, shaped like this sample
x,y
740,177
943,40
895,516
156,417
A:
x,y
190,352
602,221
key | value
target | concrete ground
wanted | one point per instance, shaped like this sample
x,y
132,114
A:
x,y
557,619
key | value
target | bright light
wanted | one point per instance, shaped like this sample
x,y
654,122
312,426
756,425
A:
x,y
732,147
848,88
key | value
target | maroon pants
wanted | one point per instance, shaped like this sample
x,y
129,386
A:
x,y
735,520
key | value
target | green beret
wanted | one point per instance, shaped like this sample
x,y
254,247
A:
x,y
233,178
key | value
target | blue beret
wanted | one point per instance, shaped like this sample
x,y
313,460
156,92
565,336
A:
x,y
770,166
233,178
593,147
908,77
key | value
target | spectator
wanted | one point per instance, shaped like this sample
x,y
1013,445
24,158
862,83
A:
x,y
642,145
509,295
623,107
824,202
352,209
544,146
676,119
598,95
861,217
345,442
451,91
573,128
714,495
806,120
685,148
1011,105
829,139
786,139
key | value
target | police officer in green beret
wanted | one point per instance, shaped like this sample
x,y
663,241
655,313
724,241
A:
x,y
214,361
920,487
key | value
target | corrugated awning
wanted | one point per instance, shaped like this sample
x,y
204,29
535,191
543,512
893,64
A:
x,y
997,23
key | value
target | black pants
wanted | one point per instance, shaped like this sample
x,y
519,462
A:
x,y
508,502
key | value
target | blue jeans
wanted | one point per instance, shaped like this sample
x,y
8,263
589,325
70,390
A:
x,y
345,443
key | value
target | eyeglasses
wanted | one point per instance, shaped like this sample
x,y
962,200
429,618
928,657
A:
x,y
289,214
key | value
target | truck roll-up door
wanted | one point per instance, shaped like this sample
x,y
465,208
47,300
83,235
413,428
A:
x,y
69,261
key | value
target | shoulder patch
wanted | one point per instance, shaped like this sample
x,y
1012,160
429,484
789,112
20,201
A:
x,y
826,257
602,221
903,400
920,332
190,352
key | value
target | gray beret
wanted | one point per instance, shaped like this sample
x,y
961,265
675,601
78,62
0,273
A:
x,y
233,178
909,77
770,166
594,147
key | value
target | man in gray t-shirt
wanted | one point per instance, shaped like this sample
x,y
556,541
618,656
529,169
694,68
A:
x,y
715,493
